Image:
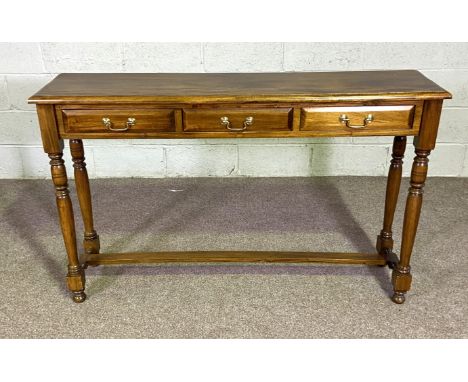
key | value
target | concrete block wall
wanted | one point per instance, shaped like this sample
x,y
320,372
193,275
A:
x,y
25,67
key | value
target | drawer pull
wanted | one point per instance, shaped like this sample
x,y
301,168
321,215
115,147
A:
x,y
345,120
248,121
108,123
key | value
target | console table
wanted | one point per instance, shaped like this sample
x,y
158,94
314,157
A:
x,y
281,105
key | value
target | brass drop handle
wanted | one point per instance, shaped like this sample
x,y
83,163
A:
x,y
108,123
248,121
345,120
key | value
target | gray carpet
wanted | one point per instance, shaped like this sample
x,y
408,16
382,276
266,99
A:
x,y
233,301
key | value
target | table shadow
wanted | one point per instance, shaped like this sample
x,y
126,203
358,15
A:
x,y
200,209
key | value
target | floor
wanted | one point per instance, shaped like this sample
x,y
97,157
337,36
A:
x,y
233,301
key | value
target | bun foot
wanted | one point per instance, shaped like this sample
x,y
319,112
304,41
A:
x,y
79,296
398,297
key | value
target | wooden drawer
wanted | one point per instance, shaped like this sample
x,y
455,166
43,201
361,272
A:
x,y
237,119
362,120
118,121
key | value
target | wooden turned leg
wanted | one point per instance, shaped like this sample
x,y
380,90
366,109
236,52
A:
x,y
76,275
91,238
385,239
401,276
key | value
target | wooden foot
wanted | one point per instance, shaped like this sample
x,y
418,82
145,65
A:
x,y
79,297
384,245
76,282
91,243
398,298
401,280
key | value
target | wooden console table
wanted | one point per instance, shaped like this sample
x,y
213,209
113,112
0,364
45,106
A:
x,y
280,105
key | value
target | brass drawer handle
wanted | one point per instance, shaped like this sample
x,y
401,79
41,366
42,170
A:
x,y
345,120
248,121
108,123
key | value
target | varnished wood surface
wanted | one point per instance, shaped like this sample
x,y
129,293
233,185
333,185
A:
x,y
426,139
385,239
234,257
263,119
90,121
91,238
232,134
401,275
51,141
274,121
389,118
239,87
75,275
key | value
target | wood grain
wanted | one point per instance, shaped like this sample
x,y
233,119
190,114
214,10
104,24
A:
x,y
385,239
51,141
430,125
197,120
401,274
75,275
234,257
91,239
237,87
390,118
90,121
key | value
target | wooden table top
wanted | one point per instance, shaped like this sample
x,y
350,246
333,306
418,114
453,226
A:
x,y
220,87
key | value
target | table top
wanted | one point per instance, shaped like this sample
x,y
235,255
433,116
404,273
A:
x,y
220,87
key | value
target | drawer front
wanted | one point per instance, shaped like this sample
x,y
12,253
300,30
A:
x,y
349,120
118,121
237,120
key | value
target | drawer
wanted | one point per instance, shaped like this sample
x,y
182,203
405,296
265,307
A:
x,y
360,120
118,121
237,120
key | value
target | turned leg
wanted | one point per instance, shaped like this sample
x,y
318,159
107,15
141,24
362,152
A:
x,y
91,239
76,275
385,239
401,276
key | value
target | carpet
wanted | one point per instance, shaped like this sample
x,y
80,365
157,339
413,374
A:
x,y
233,300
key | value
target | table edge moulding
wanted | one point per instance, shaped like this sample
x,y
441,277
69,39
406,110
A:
x,y
397,103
